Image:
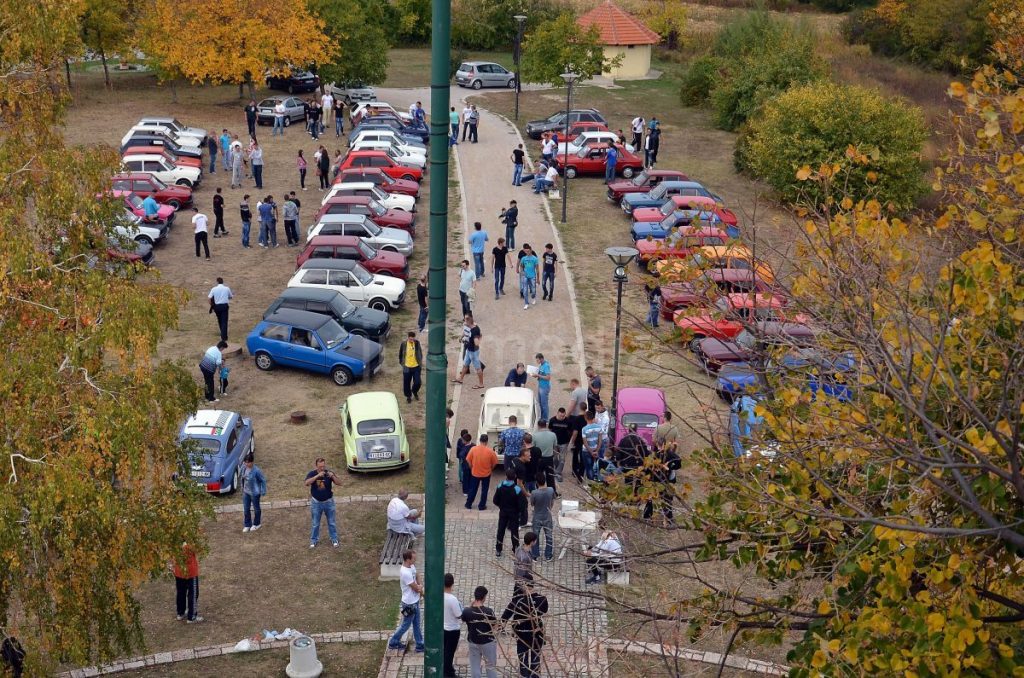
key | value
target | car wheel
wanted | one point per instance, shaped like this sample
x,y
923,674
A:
x,y
184,182
145,240
512,83
379,304
341,375
390,248
408,177
175,204
287,121
236,479
725,395
291,89
387,273
359,333
695,343
627,172
264,361
570,172
477,84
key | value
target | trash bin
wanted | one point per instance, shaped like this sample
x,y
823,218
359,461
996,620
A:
x,y
303,662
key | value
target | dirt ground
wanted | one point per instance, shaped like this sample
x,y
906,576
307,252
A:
x,y
351,660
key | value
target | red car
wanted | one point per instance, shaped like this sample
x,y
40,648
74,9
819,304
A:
x,y
715,353
730,314
132,202
382,262
385,162
590,160
642,183
376,176
358,204
144,184
677,246
681,203
168,154
708,286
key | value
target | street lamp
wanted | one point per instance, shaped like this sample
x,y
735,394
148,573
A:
x,y
517,54
569,78
621,257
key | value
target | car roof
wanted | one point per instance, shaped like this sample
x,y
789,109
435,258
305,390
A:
x,y
208,423
342,219
731,250
353,185
478,63
144,155
333,240
141,176
330,264
348,199
358,153
508,395
641,399
700,200
373,405
303,319
278,97
310,293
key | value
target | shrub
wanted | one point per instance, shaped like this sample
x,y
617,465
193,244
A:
x,y
840,5
816,124
699,80
752,32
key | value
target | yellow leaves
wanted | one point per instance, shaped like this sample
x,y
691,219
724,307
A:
x,y
977,220
872,177
819,659
804,173
935,622
957,90
1005,650
824,608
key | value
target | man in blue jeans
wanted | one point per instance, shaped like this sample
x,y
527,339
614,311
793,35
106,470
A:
x,y
518,160
527,269
321,501
543,384
610,161
477,242
412,591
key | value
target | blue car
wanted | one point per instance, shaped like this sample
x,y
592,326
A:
x,y
315,343
826,375
659,230
220,441
664,191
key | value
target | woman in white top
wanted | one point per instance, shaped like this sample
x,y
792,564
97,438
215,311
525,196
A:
x,y
452,626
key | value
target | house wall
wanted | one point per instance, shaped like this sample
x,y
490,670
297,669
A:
x,y
636,60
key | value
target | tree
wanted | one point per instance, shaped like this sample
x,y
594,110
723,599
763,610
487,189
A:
x,y
241,39
879,532
667,18
559,46
488,24
412,21
88,509
108,28
362,44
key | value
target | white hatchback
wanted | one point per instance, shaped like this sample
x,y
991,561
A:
x,y
392,201
364,228
355,283
158,166
182,140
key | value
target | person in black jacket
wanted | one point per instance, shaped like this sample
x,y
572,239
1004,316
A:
x,y
517,376
410,357
250,117
323,164
510,217
510,499
481,626
525,612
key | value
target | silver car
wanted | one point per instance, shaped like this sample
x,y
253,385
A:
x,y
352,92
477,74
294,110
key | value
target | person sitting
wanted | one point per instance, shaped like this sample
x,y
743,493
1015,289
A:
x,y
547,182
604,556
517,376
401,518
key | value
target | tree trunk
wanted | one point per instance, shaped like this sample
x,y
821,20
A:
x,y
241,93
67,73
174,90
252,90
106,71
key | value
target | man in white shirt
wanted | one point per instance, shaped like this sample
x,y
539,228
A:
x,y
279,111
638,130
605,555
211,362
547,182
549,149
401,518
220,297
327,107
199,221
412,590
452,626
466,113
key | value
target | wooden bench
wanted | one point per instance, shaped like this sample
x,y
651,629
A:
x,y
391,554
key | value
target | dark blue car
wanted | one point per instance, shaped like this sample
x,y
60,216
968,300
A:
x,y
315,343
220,439
827,375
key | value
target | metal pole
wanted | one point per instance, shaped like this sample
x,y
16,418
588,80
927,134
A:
x,y
613,414
565,140
518,55
437,362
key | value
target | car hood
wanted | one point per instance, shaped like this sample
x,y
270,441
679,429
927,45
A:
x,y
739,377
395,235
389,259
641,199
400,216
642,229
358,348
387,284
627,187
368,319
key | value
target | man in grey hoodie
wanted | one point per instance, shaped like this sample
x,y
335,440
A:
x,y
291,222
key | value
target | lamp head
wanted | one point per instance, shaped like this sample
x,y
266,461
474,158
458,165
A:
x,y
570,77
520,18
621,256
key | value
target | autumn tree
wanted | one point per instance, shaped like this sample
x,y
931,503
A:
x,y
559,46
108,27
667,18
361,53
88,507
875,527
489,24
241,39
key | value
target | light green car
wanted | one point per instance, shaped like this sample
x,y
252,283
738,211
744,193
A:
x,y
374,432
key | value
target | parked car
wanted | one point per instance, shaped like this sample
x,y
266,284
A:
x,y
220,440
131,227
499,403
178,127
315,343
133,203
404,156
714,353
640,405
352,92
137,253
581,126
729,315
642,183
678,245
718,214
360,321
358,285
590,161
294,81
387,134
378,262
367,206
732,255
828,375
659,230
372,109
391,239
183,140
390,166
144,139
708,286
169,155
161,169
374,432
415,129
663,192
144,184
377,177
294,110
477,74
556,121
578,142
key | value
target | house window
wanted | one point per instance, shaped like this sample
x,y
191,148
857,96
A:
x,y
630,46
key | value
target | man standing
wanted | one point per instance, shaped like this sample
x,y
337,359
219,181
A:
x,y
481,460
220,297
561,426
256,160
525,611
291,222
453,121
246,215
593,388
200,222
474,122
218,214
653,304
401,518
477,242
499,257
638,130
412,590
466,112
326,108
543,384
279,111
250,117
237,166
593,436
545,440
225,148
510,217
186,582
522,570
209,365
666,436
610,160
481,625
266,210
471,335
339,117
212,147
452,626
320,482
527,270
547,283
541,500
651,148
467,280
510,499
518,160
314,120
577,397
410,357
421,301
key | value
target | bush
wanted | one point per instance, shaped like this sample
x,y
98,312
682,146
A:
x,y
699,80
816,123
840,5
753,32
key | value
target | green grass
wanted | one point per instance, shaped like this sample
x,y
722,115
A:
x,y
410,67
355,660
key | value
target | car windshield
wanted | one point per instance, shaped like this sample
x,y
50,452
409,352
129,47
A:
x,y
373,228
378,194
669,221
268,103
746,340
387,180
377,208
658,191
557,117
640,419
157,183
668,208
163,163
640,179
332,334
375,427
342,306
135,201
205,447
362,275
367,251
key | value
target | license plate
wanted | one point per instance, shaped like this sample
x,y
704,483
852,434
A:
x,y
378,455
200,474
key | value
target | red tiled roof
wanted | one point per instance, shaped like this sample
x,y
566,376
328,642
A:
x,y
617,27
